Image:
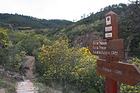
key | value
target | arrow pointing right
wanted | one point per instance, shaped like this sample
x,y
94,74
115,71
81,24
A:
x,y
122,72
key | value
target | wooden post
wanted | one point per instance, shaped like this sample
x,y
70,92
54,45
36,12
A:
x,y
111,32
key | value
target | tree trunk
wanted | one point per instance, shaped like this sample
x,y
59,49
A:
x,y
130,38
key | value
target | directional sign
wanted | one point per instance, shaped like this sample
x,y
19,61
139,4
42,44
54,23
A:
x,y
105,49
122,72
117,48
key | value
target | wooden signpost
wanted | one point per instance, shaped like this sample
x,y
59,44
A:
x,y
110,51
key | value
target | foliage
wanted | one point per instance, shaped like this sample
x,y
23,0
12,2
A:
x,y
11,58
77,29
3,38
92,90
9,86
21,44
75,66
129,89
28,42
135,61
20,21
129,22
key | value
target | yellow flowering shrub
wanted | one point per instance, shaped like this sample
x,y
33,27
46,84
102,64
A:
x,y
3,37
77,66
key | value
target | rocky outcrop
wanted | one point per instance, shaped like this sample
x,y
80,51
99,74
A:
x,y
86,39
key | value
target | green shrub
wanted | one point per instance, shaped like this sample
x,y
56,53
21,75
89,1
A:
x,y
92,90
129,89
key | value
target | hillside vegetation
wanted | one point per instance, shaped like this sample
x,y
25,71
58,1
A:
x,y
129,26
16,20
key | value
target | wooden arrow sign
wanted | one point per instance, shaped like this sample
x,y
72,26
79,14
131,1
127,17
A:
x,y
122,72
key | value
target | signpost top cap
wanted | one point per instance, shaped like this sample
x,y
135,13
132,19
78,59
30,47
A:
x,y
111,13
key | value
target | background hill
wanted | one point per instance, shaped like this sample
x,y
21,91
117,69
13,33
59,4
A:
x,y
16,20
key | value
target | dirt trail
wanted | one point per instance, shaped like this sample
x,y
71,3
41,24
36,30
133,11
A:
x,y
27,86
29,66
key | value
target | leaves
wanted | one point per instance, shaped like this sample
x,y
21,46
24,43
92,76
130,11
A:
x,y
75,66
4,41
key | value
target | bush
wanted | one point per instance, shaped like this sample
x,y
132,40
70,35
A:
x,y
10,55
28,42
11,58
3,38
129,89
74,66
